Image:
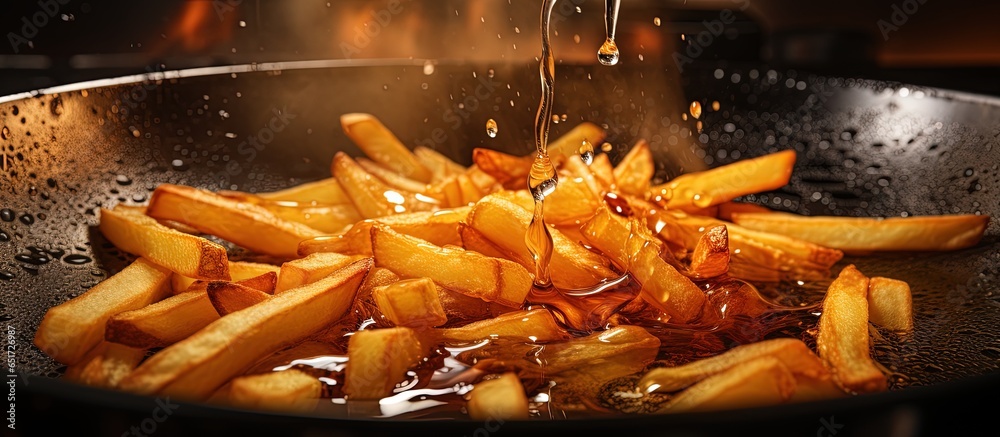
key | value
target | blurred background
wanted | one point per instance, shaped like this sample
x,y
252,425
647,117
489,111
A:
x,y
948,44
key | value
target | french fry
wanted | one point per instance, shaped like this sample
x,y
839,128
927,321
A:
x,y
711,254
510,171
227,297
791,352
469,273
861,235
890,304
232,220
568,144
758,382
238,271
635,171
439,227
382,146
324,191
378,360
391,178
727,209
440,166
530,326
843,341
413,303
458,306
106,365
502,398
603,171
69,330
370,196
693,191
287,390
323,218
175,318
477,242
310,269
504,223
198,365
134,232
630,246
482,180
288,358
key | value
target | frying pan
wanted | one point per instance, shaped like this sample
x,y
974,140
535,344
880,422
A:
x,y
866,148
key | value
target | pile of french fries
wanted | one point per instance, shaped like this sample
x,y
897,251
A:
x,y
402,251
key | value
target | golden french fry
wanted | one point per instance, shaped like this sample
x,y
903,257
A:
x,y
631,246
530,326
228,297
505,223
843,341
574,166
791,352
635,171
603,171
711,254
571,204
322,217
439,227
758,382
382,146
413,303
239,222
482,180
134,232
390,177
477,242
378,360
890,304
175,318
310,269
238,271
372,197
287,390
861,235
569,143
447,190
469,273
509,171
498,399
195,367
288,358
70,330
324,191
440,166
727,209
458,306
106,365
693,191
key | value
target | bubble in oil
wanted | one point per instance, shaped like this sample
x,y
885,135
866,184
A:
x,y
608,53
492,128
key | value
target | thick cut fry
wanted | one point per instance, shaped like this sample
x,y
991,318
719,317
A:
x,y
370,196
319,216
693,191
390,177
861,235
458,306
382,146
136,233
239,222
106,365
440,166
759,382
238,271
413,303
603,171
469,273
174,318
482,180
197,366
890,304
711,255
378,360
69,330
477,242
287,390
227,297
509,171
631,245
528,326
634,172
324,191
439,227
505,223
568,144
498,399
310,269
727,209
843,341
791,352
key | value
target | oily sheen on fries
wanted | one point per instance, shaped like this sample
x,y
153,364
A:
x,y
198,365
498,399
843,341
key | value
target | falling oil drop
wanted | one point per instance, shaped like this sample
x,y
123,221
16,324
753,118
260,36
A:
x,y
586,152
492,128
608,54
696,109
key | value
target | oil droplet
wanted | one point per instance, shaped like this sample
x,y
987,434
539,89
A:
x,y
684,116
27,219
555,118
5,133
4,236
699,126
696,109
7,215
586,152
492,128
608,54
6,276
656,21
428,68
606,147
123,180
715,105
701,200
77,259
